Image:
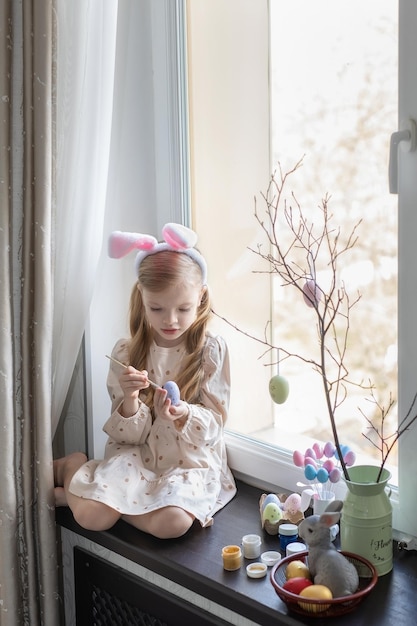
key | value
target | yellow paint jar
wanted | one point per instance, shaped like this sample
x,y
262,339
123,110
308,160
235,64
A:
x,y
232,558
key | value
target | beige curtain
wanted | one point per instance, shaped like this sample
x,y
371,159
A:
x,y
28,566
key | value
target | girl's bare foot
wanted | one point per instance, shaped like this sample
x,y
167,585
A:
x,y
60,497
71,461
64,470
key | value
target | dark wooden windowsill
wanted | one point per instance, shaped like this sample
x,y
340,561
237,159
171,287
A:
x,y
194,561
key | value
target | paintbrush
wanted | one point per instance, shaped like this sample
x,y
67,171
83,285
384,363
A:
x,y
152,384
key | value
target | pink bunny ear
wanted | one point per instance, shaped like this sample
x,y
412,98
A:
x,y
121,243
178,236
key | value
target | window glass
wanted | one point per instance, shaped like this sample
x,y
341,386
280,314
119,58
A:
x,y
282,83
334,102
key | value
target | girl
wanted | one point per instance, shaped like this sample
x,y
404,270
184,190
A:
x,y
164,464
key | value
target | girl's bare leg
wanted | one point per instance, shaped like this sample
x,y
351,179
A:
x,y
87,513
64,470
167,523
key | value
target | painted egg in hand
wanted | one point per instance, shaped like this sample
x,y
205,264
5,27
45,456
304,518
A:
x,y
173,392
279,389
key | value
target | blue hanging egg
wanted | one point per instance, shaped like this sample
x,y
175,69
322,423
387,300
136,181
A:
x,y
310,472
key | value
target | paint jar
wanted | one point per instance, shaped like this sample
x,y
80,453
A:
x,y
251,546
256,570
288,533
232,558
295,548
270,558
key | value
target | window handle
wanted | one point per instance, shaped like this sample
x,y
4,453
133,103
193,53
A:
x,y
406,136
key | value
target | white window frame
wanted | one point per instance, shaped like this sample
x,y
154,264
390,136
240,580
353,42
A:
x,y
169,54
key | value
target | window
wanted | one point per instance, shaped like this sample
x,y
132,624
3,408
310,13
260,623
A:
x,y
226,47
232,156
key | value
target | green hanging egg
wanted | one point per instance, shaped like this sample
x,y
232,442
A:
x,y
279,389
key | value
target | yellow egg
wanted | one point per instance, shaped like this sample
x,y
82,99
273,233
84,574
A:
x,y
315,592
279,389
297,568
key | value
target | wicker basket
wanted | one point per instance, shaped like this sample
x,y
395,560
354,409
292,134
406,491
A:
x,y
325,608
272,527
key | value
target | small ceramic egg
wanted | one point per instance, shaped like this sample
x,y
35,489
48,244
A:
x,y
279,389
173,392
271,497
272,513
293,503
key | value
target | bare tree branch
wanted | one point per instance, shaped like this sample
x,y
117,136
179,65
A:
x,y
314,245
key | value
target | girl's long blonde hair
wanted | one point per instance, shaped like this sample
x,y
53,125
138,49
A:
x,y
156,273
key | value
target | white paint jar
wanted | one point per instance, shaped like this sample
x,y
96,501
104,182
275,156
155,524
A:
x,y
251,546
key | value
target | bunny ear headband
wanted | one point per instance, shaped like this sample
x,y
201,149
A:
x,y
177,238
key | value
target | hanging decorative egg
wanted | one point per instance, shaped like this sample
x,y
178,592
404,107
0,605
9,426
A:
x,y
311,293
279,389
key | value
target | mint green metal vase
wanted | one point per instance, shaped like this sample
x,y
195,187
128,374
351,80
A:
x,y
366,523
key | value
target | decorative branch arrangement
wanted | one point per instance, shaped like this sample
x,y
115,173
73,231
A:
x,y
313,245
385,443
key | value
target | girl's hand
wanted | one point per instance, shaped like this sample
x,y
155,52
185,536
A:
x,y
164,409
132,381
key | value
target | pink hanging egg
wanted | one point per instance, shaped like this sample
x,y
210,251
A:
x,y
318,449
349,458
298,458
311,293
310,453
329,449
335,475
328,465
310,461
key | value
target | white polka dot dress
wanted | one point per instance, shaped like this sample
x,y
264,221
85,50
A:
x,y
148,465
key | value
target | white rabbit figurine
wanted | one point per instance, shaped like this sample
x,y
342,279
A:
x,y
328,566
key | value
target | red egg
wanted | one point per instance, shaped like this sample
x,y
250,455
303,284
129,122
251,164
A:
x,y
297,584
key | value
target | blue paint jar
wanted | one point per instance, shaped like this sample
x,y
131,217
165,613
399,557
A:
x,y
288,533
